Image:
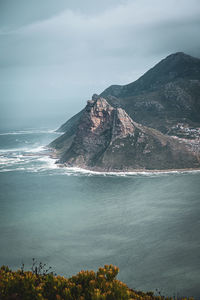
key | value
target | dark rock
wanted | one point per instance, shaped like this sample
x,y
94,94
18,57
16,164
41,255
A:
x,y
95,97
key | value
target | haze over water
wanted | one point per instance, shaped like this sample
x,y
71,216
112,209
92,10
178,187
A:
x,y
147,224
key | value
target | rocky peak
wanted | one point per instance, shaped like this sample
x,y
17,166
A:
x,y
97,115
179,56
100,104
103,116
100,125
95,96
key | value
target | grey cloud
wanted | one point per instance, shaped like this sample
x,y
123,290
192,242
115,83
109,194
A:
x,y
71,35
22,12
78,51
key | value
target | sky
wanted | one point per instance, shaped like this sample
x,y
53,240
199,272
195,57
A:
x,y
55,54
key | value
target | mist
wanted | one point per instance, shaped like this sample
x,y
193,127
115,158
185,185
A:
x,y
55,56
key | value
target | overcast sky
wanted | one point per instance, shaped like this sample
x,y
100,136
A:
x,y
55,54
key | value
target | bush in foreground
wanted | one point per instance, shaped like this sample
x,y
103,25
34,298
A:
x,y
86,285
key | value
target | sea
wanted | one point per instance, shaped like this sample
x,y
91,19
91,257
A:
x,y
147,224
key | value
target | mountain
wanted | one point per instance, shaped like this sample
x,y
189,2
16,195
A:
x,y
152,123
107,139
166,98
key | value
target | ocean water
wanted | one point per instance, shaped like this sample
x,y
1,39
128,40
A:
x,y
147,224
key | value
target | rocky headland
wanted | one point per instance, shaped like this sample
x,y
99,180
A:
x,y
150,124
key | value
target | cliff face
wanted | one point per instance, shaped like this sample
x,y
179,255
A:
x,y
99,126
107,139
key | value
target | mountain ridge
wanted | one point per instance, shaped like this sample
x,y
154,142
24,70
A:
x,y
174,65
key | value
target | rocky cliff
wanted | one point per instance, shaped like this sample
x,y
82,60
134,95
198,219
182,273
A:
x,y
107,139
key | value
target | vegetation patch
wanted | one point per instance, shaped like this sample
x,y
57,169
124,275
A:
x,y
42,284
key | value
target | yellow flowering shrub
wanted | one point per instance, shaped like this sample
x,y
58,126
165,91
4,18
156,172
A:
x,y
86,285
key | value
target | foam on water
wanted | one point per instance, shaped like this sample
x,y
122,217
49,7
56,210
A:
x,y
27,153
35,158
38,149
32,160
38,160
76,170
9,160
48,163
20,132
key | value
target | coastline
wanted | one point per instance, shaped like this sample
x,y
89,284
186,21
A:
x,y
96,170
127,172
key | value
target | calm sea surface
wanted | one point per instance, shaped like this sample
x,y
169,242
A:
x,y
147,224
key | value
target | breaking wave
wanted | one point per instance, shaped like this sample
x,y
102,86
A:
x,y
80,171
38,160
35,131
27,152
32,156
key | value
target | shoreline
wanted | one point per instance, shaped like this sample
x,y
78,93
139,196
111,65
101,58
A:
x,y
52,154
127,172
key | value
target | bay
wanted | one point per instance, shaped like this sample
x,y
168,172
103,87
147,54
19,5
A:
x,y
147,224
